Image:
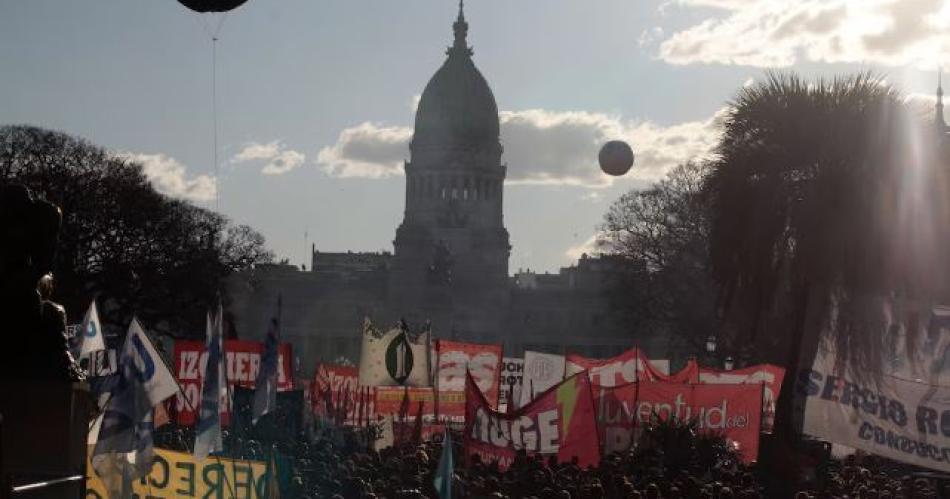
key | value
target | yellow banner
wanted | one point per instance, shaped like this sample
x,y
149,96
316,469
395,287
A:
x,y
176,474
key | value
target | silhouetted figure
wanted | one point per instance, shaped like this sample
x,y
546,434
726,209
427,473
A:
x,y
33,328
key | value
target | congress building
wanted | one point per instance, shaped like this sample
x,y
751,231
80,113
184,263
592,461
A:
x,y
449,263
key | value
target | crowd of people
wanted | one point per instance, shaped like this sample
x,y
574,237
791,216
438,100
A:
x,y
339,462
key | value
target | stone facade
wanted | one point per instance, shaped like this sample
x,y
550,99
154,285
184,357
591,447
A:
x,y
450,259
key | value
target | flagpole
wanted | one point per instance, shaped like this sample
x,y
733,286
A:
x,y
198,415
192,450
280,325
435,382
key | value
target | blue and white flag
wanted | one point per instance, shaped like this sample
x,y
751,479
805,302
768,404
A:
x,y
208,430
443,475
90,334
123,450
265,387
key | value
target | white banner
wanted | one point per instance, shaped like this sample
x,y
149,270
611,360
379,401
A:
x,y
886,414
512,376
541,371
662,365
393,358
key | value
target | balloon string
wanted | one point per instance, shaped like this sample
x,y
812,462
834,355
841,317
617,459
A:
x,y
213,35
214,113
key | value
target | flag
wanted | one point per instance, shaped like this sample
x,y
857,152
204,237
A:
x,y
90,334
208,430
443,475
387,436
160,416
123,450
404,406
265,387
417,430
273,483
395,357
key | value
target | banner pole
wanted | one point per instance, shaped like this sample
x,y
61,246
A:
x,y
435,381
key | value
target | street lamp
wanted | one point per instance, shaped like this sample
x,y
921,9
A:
x,y
728,364
711,345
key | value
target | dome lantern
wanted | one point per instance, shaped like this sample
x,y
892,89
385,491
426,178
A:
x,y
457,107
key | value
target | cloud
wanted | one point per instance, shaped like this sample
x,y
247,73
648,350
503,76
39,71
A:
x,y
169,177
367,150
550,147
781,33
541,147
277,158
588,247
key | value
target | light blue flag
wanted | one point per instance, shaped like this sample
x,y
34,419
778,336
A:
x,y
123,450
443,475
208,431
265,387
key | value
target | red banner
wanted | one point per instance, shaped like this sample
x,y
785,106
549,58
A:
x,y
243,363
767,374
483,361
406,433
389,401
560,421
628,367
732,410
336,395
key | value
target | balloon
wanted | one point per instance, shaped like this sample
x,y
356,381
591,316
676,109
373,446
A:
x,y
211,5
615,158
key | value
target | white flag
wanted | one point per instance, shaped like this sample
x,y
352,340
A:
x,y
541,371
394,358
90,336
123,449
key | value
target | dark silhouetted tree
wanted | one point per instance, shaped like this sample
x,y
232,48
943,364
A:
x,y
661,233
823,193
122,241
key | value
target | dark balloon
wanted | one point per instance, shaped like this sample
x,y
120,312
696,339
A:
x,y
211,5
616,158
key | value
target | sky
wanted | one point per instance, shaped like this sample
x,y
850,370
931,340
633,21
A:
x,y
316,98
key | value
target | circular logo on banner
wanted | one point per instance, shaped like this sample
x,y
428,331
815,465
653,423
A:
x,y
90,329
399,359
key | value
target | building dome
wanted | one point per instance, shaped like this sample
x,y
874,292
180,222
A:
x,y
457,106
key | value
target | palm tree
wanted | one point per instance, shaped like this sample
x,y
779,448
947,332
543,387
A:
x,y
822,194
